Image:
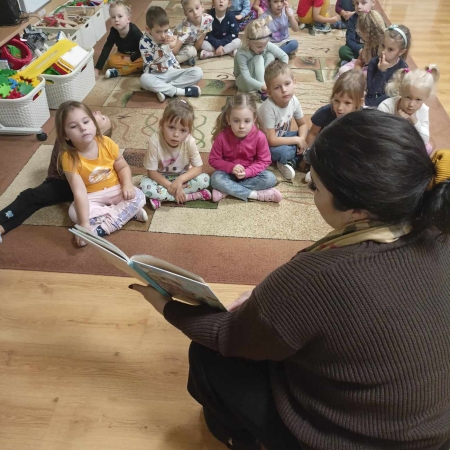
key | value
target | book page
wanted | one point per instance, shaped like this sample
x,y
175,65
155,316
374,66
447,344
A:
x,y
179,286
160,263
87,235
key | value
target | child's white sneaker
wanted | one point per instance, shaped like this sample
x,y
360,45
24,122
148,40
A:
x,y
204,54
161,96
286,170
308,178
112,73
141,216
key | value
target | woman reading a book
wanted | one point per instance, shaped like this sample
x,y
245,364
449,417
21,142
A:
x,y
346,345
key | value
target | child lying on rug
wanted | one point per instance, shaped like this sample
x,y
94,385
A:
x,y
126,36
173,162
55,189
99,177
240,154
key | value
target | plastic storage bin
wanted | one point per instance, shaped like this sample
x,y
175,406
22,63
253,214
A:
x,y
31,111
87,33
73,86
99,25
105,11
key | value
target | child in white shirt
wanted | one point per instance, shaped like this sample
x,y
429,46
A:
x,y
173,162
191,31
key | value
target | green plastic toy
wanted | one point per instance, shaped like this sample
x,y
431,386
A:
x,y
5,89
25,88
14,51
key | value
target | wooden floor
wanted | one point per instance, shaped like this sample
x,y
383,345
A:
x,y
86,364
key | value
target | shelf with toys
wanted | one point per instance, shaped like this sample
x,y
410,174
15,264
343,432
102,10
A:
x,y
64,72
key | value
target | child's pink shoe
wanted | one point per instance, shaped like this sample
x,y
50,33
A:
x,y
270,195
155,204
205,194
217,195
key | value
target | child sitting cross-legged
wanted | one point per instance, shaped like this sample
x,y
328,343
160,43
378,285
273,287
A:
x,y
223,38
162,73
191,31
255,55
126,36
282,18
173,162
276,114
243,13
240,154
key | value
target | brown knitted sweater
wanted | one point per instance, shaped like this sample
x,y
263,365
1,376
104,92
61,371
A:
x,y
359,337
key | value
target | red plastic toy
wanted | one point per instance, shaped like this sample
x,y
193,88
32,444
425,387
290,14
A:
x,y
16,63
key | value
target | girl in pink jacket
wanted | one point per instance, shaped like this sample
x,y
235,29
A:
x,y
240,154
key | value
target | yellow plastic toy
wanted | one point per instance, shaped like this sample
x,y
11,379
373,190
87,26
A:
x,y
47,59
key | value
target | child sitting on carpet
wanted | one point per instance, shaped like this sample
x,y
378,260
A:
x,y
55,189
276,115
240,154
100,178
224,37
347,96
242,12
173,162
353,41
408,91
126,36
191,31
346,9
371,28
255,55
260,6
162,72
315,12
282,17
391,57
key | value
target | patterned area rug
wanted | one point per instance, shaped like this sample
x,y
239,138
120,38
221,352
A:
x,y
135,115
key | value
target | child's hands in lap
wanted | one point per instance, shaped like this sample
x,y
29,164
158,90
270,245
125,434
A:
x,y
238,17
128,192
175,186
180,196
219,51
301,145
239,171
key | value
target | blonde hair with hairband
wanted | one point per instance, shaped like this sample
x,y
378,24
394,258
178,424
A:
x,y
257,30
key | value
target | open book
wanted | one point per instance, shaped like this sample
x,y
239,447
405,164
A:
x,y
166,278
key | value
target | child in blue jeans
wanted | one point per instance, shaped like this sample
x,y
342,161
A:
x,y
276,114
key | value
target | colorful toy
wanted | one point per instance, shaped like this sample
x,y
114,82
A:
x,y
52,55
21,55
13,85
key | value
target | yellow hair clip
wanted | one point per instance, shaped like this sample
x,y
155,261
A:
x,y
441,161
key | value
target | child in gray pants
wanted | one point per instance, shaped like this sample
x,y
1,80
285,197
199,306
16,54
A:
x,y
162,72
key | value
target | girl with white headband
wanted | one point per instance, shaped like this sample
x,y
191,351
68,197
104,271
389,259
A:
x,y
392,54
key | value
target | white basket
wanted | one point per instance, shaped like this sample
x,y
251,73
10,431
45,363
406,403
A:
x,y
99,25
30,111
88,34
105,11
73,86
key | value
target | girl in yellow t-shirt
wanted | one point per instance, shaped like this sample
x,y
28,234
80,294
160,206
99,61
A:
x,y
100,178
